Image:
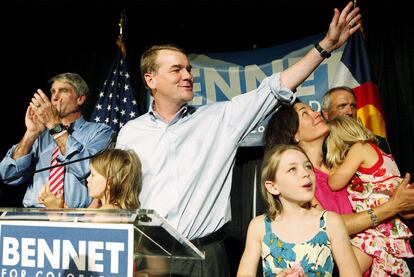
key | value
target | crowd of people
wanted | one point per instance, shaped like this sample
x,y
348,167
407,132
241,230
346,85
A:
x,y
331,194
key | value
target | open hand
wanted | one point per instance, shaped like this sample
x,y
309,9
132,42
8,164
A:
x,y
44,110
33,124
342,26
403,196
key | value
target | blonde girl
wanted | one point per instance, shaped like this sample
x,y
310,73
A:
x,y
115,179
371,177
293,238
114,182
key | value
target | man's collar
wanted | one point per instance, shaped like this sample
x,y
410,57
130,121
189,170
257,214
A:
x,y
77,123
185,110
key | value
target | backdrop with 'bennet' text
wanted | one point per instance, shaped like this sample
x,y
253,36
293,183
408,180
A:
x,y
221,76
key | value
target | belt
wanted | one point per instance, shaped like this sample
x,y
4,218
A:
x,y
213,237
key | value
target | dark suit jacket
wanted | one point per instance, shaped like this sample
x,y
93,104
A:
x,y
383,144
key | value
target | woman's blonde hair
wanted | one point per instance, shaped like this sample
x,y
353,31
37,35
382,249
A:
x,y
270,166
345,131
122,169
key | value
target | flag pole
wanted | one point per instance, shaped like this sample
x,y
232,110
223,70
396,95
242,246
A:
x,y
120,41
362,27
116,104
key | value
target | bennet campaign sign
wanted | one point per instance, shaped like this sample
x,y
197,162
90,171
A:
x,y
65,249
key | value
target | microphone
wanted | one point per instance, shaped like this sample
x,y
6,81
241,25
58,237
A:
x,y
111,144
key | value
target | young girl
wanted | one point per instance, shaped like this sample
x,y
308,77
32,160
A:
x,y
114,181
372,176
293,237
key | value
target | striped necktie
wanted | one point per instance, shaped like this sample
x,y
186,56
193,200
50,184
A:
x,y
56,174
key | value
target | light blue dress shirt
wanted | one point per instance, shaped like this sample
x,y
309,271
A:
x,y
86,139
187,164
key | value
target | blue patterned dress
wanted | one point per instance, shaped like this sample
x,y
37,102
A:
x,y
315,255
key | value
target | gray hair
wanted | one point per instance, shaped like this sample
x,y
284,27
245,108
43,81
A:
x,y
326,99
80,86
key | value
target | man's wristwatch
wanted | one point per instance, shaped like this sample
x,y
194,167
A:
x,y
324,54
57,128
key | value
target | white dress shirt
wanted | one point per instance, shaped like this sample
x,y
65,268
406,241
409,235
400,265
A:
x,y
187,164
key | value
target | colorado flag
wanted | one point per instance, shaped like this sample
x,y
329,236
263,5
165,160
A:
x,y
354,71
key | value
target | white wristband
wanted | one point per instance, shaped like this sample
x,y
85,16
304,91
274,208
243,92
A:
x,y
59,134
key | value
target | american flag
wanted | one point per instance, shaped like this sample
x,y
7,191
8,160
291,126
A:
x,y
116,104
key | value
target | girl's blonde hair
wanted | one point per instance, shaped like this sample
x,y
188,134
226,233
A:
x,y
345,131
122,170
270,166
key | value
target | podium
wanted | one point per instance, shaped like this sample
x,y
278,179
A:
x,y
89,242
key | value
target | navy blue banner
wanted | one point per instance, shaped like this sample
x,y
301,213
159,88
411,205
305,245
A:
x,y
65,249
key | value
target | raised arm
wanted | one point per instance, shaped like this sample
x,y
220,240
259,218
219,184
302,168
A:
x,y
340,176
49,116
33,129
343,24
